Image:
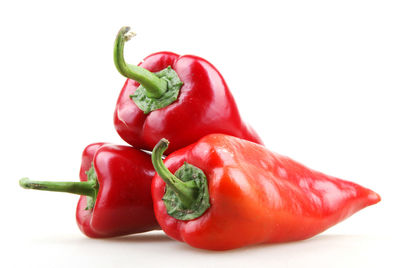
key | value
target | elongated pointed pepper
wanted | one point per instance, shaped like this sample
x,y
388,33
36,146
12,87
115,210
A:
x,y
115,191
181,98
223,193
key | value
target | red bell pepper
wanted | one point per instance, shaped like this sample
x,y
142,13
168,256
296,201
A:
x,y
181,98
228,193
115,191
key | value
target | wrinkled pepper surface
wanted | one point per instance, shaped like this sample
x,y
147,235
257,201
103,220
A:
x,y
180,98
115,191
228,193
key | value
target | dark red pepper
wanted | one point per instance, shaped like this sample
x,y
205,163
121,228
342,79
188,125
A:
x,y
115,191
180,98
228,193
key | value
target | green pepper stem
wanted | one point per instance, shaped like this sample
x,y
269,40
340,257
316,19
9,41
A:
x,y
186,192
81,188
154,86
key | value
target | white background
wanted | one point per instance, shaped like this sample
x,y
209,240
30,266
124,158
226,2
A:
x,y
318,80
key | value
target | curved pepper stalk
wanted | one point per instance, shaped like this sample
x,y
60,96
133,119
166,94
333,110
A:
x,y
186,196
156,90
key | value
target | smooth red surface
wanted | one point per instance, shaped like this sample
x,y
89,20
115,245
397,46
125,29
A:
x,y
204,106
257,196
123,205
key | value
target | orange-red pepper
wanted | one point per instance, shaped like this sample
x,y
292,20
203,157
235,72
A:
x,y
228,193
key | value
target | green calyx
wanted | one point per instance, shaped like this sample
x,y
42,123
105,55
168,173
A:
x,y
156,90
89,188
148,104
92,178
201,201
186,192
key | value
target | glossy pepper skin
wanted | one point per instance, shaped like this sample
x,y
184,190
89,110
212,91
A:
x,y
123,204
256,196
205,105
